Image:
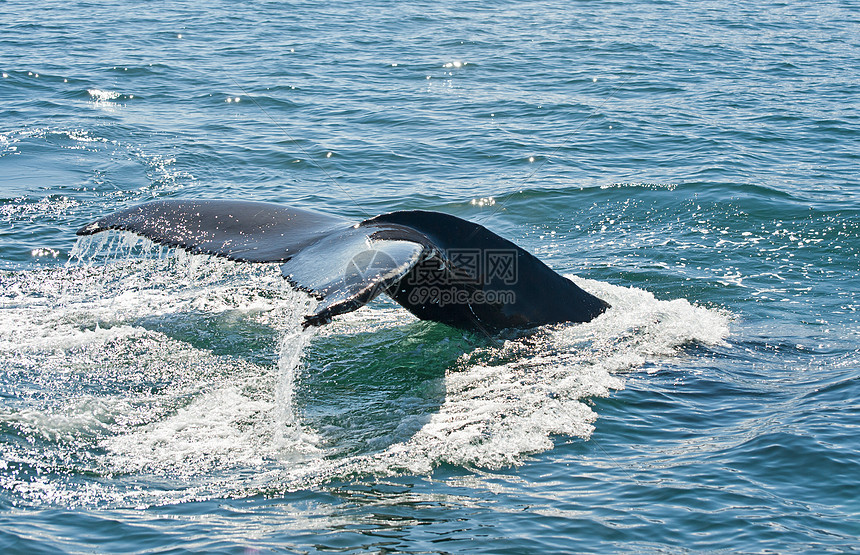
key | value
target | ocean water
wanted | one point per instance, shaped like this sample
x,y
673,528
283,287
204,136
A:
x,y
693,163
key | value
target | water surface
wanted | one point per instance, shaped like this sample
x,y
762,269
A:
x,y
692,163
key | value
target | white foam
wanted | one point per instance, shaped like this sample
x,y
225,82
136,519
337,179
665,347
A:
x,y
101,95
77,344
217,429
496,415
155,404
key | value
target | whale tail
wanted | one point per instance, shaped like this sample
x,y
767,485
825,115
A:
x,y
437,266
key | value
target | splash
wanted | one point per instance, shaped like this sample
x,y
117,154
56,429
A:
x,y
134,362
501,404
289,435
141,375
101,95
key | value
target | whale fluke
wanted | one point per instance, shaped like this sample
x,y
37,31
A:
x,y
437,266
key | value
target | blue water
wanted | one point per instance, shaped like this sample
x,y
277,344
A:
x,y
694,163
